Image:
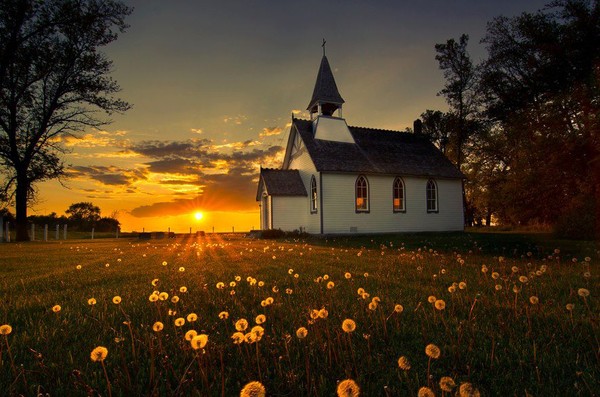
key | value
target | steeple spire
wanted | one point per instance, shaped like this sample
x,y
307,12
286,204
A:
x,y
326,98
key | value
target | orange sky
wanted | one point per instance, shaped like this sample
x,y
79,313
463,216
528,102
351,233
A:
x,y
213,86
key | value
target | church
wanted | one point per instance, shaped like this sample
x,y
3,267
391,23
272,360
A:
x,y
340,179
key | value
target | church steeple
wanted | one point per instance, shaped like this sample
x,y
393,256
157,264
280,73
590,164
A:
x,y
326,98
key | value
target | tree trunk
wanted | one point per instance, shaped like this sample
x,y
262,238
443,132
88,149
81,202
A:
x,y
21,207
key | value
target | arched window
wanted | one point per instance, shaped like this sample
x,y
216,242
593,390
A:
x,y
313,194
362,194
398,195
432,197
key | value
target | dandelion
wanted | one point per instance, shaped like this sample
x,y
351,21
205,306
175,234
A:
x,y
175,299
190,335
360,291
462,285
587,275
330,285
534,300
199,341
570,307
99,353
398,308
163,296
269,300
78,267
326,277
153,297
514,269
373,306
158,326
232,292
275,289
164,262
447,383
232,284
495,275
348,325
258,332
314,314
467,390
264,303
261,283
516,289
56,308
238,278
183,289
440,304
241,324
238,338
498,287
484,269
224,315
5,329
91,301
323,313
425,392
452,289
253,389
432,351
179,322
348,275
116,300
192,317
220,285
348,388
403,363
366,275
154,282
290,271
301,333
431,299
261,318
523,279
584,293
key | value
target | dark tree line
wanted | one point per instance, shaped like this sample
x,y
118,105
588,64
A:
x,y
523,125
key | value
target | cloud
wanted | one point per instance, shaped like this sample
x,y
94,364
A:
x,y
270,131
196,130
239,119
111,175
94,140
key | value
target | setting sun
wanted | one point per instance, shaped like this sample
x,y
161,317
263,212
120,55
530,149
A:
x,y
198,215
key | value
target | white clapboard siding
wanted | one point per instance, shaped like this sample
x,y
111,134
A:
x,y
305,166
285,214
340,216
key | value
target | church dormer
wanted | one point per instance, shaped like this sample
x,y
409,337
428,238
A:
x,y
326,99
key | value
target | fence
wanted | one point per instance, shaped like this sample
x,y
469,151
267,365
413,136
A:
x,y
51,232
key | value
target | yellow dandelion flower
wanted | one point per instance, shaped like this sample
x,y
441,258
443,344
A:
x,y
398,308
158,326
220,285
440,304
403,363
99,353
330,285
452,289
326,277
261,318
164,262
175,299
523,279
323,313
116,300
314,314
373,306
269,300
238,338
495,275
182,269
56,308
360,291
183,289
584,293
570,306
516,289
199,341
153,297
179,322
431,299
467,390
264,303
348,388
155,282
253,389
447,384
241,324
514,269
425,392
91,301
261,283
296,275
238,278
289,291
163,296
365,295
348,325
192,317
232,292
250,338
376,299
5,329
462,285
232,284
534,300
224,315
484,269
432,351
301,333
258,332
275,289
498,287
348,275
587,259
78,267
190,335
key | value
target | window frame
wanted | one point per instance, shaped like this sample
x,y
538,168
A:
x,y
366,198
402,208
314,196
434,200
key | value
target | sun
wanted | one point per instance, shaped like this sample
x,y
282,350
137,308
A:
x,y
198,215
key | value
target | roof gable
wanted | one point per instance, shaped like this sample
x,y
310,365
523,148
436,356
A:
x,y
280,183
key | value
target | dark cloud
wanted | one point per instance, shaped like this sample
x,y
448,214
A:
x,y
162,149
109,175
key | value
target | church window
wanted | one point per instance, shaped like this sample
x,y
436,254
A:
x,y
432,197
313,194
398,195
362,194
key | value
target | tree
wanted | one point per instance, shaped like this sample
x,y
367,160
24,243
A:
x,y
83,216
53,82
435,127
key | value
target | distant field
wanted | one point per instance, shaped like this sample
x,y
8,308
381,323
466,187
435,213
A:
x,y
498,315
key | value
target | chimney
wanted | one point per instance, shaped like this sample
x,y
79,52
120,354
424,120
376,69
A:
x,y
418,126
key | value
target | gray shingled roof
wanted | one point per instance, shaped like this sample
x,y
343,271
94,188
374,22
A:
x,y
377,151
281,183
325,88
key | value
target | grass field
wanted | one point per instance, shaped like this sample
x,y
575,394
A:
x,y
494,305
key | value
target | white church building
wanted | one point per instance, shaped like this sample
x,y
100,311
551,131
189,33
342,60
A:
x,y
339,179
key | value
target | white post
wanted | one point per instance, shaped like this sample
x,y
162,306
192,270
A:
x,y
65,232
92,233
33,232
57,235
46,232
190,230
232,229
1,229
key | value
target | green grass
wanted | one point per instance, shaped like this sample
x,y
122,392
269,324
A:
x,y
495,339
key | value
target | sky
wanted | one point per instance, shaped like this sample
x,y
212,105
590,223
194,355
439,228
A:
x,y
214,84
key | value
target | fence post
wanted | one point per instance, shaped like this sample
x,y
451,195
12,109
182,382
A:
x,y
46,232
92,233
8,232
190,230
56,235
65,232
117,233
1,229
33,232
232,229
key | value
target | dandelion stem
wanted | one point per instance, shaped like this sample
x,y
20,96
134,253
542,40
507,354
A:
x,y
107,380
12,362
